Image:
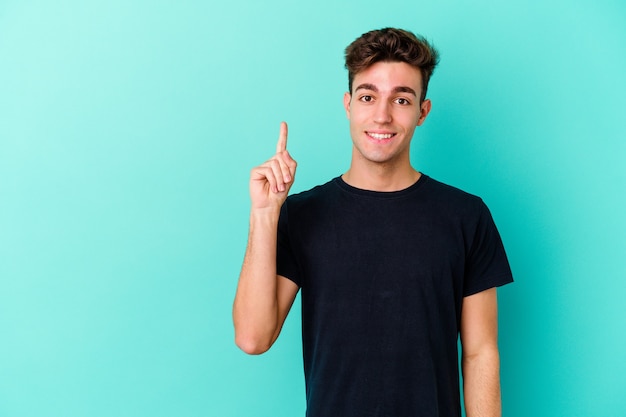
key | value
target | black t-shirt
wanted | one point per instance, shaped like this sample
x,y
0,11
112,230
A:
x,y
383,276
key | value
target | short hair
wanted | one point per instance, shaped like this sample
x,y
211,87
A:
x,y
392,45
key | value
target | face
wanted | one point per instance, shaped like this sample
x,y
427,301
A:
x,y
384,109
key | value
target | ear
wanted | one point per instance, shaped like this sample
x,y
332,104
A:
x,y
346,103
424,110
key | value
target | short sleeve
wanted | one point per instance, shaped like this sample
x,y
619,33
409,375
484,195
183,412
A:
x,y
286,264
487,265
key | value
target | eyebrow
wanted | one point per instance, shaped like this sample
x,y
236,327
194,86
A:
x,y
372,87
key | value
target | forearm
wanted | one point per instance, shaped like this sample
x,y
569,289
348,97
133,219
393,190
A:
x,y
255,310
481,384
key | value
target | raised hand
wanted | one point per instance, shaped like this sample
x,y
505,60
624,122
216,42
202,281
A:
x,y
271,181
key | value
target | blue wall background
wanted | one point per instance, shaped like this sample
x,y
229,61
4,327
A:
x,y
127,131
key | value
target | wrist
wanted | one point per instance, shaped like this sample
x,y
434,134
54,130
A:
x,y
265,215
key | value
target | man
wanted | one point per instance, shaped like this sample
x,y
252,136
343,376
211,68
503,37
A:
x,y
393,265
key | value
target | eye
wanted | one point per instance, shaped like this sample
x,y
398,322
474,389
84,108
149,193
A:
x,y
403,101
366,99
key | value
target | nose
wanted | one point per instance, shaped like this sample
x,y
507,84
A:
x,y
382,112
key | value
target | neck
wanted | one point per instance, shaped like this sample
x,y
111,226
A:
x,y
381,177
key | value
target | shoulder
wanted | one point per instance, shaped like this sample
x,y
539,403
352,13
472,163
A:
x,y
307,208
319,194
445,195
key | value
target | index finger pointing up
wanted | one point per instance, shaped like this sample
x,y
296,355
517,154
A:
x,y
282,138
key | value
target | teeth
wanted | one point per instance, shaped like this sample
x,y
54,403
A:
x,y
380,135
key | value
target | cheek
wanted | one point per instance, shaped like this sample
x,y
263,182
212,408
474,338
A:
x,y
416,119
357,117
354,125
409,121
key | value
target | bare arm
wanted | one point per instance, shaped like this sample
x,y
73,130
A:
x,y
263,298
481,359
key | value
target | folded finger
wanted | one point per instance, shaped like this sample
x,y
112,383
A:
x,y
278,173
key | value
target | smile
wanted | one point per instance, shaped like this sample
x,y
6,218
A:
x,y
380,136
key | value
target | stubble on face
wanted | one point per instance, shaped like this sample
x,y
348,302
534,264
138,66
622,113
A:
x,y
384,110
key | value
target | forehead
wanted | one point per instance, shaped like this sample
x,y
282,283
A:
x,y
387,76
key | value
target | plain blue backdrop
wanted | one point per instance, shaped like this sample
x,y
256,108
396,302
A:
x,y
127,131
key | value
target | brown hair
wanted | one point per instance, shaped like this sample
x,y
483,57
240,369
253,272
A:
x,y
394,45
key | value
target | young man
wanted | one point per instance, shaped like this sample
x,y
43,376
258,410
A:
x,y
393,265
